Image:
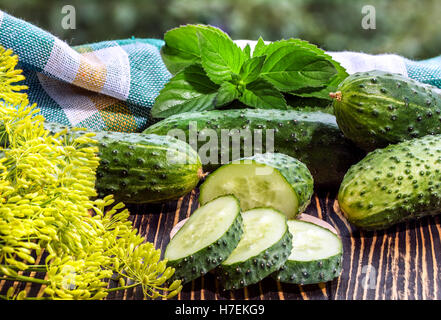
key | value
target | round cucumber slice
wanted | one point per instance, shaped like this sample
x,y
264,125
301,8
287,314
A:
x,y
206,239
264,247
315,256
265,180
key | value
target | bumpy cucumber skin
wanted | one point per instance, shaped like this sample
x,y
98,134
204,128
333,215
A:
x,y
253,270
391,185
310,272
378,108
294,171
312,137
208,258
134,167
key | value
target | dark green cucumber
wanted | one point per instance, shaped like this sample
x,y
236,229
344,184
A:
x,y
263,248
312,137
315,257
376,108
263,180
394,184
206,239
142,168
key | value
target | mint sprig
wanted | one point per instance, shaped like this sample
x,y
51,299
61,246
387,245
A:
x,y
211,71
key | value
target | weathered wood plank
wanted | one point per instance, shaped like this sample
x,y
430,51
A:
x,y
399,263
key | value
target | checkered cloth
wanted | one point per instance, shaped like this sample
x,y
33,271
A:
x,y
112,85
108,85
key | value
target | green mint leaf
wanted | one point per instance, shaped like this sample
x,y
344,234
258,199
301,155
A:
x,y
320,92
188,90
220,56
262,94
227,93
247,51
291,67
251,68
181,47
259,49
305,44
323,92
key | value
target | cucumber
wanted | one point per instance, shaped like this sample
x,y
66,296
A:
x,y
315,256
394,184
375,109
263,180
263,248
312,137
142,168
206,239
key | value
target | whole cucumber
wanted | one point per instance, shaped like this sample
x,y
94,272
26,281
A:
x,y
311,137
394,184
376,108
143,168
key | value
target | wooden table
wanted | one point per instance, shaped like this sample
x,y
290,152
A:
x,y
399,263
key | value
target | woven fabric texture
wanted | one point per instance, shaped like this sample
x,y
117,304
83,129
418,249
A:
x,y
110,85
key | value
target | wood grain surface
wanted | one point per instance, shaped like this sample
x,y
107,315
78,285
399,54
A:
x,y
398,263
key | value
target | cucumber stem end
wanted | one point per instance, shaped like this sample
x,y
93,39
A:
x,y
335,95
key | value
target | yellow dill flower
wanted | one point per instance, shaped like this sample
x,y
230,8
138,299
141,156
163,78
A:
x,y
9,76
46,199
14,104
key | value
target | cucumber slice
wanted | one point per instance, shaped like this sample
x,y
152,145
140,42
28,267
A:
x,y
206,239
264,247
315,257
265,180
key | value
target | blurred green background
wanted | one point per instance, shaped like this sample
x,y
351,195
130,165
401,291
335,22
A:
x,y
407,27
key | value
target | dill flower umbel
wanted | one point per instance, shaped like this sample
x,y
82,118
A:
x,y
49,221
9,90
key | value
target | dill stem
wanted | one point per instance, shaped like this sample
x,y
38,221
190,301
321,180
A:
x,y
26,279
30,268
123,288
